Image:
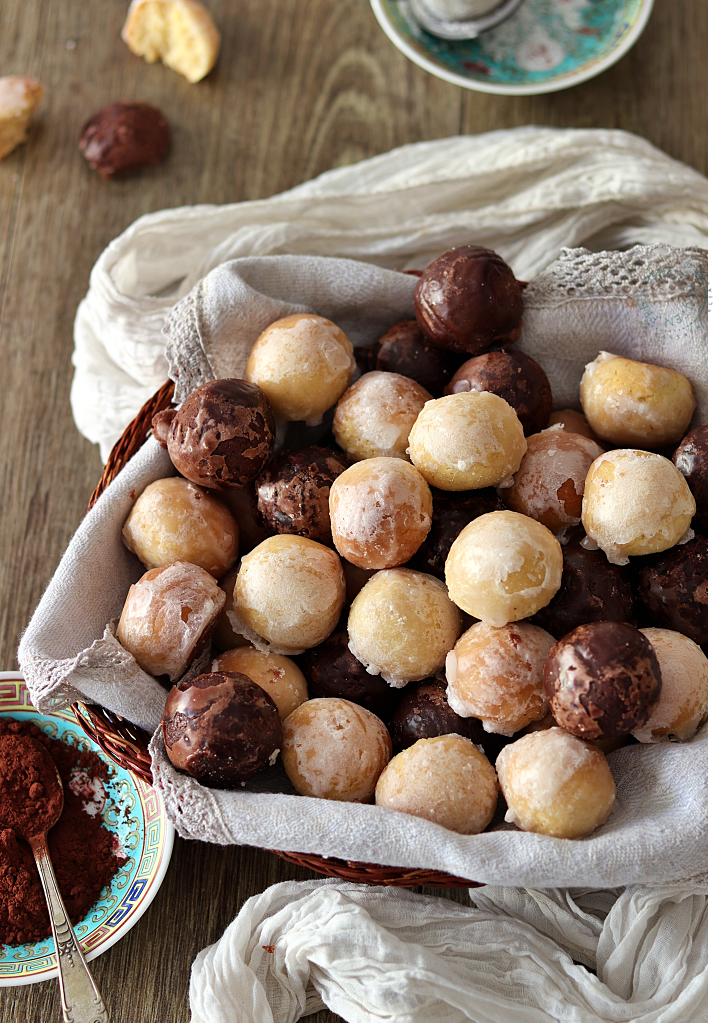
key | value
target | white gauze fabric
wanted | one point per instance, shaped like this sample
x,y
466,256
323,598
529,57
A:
x,y
526,192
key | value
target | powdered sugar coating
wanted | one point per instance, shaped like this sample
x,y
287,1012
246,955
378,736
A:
x,y
635,502
302,363
374,416
497,675
335,749
503,567
289,591
683,702
556,784
280,677
446,780
167,617
466,441
380,512
402,624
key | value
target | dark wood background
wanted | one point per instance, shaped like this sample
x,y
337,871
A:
x,y
301,86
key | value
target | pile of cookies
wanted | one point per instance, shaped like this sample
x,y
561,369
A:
x,y
462,592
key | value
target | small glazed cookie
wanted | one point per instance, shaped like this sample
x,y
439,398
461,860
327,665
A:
x,y
380,512
168,617
223,635
572,421
497,675
405,350
19,98
602,680
503,567
221,728
674,589
634,404
402,625
451,512
634,503
555,784
174,520
446,780
374,416
467,441
468,300
333,671
334,749
289,593
691,458
303,363
292,492
222,435
548,485
682,706
516,378
180,33
124,137
280,677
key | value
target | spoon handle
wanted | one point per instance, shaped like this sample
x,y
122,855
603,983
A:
x,y
81,1000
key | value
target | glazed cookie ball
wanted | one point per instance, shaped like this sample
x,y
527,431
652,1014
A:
x,y
673,586
380,512
468,300
222,435
602,680
503,567
548,485
682,705
174,520
292,492
635,404
572,421
516,378
334,749
691,458
280,677
467,441
555,784
635,502
404,349
335,672
289,592
168,617
451,512
221,728
224,637
402,624
496,675
446,780
374,416
303,363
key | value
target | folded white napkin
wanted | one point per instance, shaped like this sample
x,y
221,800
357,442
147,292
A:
x,y
387,955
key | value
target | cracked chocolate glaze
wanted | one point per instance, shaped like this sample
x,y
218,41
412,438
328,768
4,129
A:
x,y
601,680
333,671
673,586
468,299
221,728
292,492
222,435
691,458
515,377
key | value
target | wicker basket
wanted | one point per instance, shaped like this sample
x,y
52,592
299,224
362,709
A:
x,y
126,744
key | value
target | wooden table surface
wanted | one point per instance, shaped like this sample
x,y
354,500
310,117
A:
x,y
301,86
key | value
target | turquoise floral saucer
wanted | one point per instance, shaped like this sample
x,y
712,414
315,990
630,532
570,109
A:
x,y
547,45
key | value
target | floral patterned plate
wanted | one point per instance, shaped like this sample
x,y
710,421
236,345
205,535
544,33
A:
x,y
133,812
545,46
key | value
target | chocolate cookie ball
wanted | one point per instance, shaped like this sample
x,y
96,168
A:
x,y
425,713
691,458
292,492
405,350
244,508
592,590
682,706
602,680
221,728
451,512
124,137
278,676
468,300
674,589
516,378
222,435
333,671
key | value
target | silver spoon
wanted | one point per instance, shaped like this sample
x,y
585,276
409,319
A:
x,y
81,1000
466,28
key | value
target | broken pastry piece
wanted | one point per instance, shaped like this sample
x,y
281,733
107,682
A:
x,y
180,33
19,98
